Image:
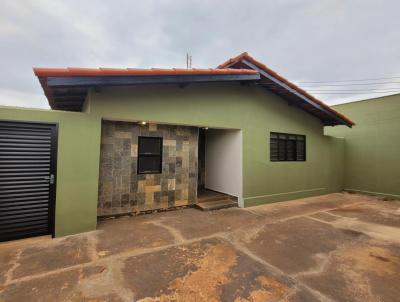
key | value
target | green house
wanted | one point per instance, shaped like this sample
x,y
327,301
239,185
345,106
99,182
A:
x,y
119,141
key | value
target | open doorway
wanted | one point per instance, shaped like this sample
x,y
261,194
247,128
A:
x,y
220,167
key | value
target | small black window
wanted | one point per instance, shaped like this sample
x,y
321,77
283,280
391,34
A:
x,y
287,147
149,155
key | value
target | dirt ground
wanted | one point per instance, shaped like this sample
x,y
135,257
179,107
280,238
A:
x,y
337,247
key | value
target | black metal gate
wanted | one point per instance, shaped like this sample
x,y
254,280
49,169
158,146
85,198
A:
x,y
28,153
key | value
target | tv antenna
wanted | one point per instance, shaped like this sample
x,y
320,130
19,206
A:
x,y
188,61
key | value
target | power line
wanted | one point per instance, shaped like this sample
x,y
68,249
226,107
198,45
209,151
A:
x,y
381,92
339,90
353,80
352,84
338,85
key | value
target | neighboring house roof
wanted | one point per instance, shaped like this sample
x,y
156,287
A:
x,y
67,88
289,91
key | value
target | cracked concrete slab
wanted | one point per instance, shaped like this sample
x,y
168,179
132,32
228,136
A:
x,y
376,211
207,270
63,286
55,255
192,223
297,208
136,232
337,247
290,246
366,271
373,230
8,261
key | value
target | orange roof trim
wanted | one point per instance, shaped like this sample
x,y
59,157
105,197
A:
x,y
73,71
246,56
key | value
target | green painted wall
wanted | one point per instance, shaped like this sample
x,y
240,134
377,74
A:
x,y
77,167
372,152
250,108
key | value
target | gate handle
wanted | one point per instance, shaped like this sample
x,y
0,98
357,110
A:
x,y
50,178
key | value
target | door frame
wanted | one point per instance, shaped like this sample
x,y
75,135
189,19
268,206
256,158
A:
x,y
53,166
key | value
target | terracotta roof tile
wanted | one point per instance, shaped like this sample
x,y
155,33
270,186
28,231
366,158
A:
x,y
74,71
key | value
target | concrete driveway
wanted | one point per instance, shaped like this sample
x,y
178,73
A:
x,y
337,247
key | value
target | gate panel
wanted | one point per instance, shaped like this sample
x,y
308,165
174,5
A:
x,y
28,153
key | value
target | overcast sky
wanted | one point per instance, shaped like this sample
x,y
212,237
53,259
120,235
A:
x,y
318,40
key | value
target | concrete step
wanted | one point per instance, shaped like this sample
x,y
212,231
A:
x,y
212,198
216,204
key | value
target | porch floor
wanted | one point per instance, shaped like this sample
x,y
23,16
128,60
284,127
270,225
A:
x,y
207,195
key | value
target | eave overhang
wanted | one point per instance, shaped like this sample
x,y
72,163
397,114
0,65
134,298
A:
x,y
66,89
293,94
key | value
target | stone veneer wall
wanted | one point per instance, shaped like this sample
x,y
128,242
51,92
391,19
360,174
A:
x,y
122,190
